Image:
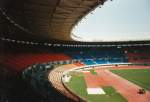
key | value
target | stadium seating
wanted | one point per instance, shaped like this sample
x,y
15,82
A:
x,y
89,62
43,82
91,57
18,62
36,74
139,55
101,61
79,64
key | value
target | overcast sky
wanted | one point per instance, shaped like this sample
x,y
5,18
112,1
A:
x,y
116,20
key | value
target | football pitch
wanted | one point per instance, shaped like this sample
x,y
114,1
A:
x,y
78,86
140,77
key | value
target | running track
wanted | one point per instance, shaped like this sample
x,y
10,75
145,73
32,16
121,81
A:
x,y
123,86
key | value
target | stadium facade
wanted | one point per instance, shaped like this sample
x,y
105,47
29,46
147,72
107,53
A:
x,y
35,43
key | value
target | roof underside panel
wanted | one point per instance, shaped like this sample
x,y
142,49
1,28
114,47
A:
x,y
45,19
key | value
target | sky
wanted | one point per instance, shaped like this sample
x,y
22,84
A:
x,y
116,20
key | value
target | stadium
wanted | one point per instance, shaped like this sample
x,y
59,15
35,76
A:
x,y
41,60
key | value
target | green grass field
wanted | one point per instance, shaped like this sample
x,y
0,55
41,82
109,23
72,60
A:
x,y
77,84
140,77
92,71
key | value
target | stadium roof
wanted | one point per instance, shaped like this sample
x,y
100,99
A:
x,y
42,19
